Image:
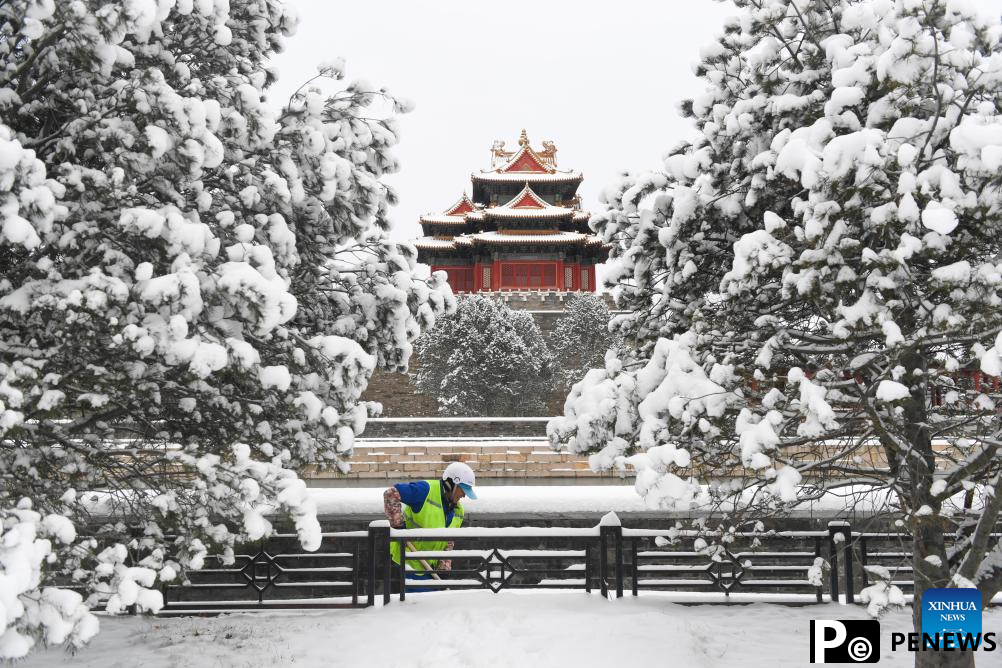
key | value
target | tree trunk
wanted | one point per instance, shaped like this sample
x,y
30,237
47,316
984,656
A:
x,y
927,540
927,525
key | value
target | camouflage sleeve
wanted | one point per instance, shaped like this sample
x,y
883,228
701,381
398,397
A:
x,y
446,564
391,506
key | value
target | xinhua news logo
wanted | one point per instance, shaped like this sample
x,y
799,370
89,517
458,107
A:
x,y
951,618
845,641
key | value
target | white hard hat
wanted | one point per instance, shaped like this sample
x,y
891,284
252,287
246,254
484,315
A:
x,y
461,474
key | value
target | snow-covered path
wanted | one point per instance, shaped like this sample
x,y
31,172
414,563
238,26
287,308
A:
x,y
482,630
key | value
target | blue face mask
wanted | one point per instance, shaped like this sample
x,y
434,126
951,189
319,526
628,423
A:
x,y
468,489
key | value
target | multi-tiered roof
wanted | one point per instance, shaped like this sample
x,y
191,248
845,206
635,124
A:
x,y
522,229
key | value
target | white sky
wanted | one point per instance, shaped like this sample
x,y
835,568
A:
x,y
601,78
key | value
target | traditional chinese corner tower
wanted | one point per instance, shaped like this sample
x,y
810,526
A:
x,y
523,229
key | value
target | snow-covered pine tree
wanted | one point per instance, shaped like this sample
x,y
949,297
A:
x,y
815,279
581,337
194,290
486,359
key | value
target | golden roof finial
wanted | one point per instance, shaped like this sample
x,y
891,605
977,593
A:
x,y
523,139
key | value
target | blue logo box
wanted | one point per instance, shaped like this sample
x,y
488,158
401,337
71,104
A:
x,y
953,612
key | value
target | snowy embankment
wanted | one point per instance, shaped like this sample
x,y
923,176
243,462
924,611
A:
x,y
494,499
480,629
567,499
571,500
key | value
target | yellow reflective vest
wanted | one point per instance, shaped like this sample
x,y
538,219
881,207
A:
x,y
431,516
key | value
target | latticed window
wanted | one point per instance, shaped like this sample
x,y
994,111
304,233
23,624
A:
x,y
460,278
528,276
486,282
568,278
585,284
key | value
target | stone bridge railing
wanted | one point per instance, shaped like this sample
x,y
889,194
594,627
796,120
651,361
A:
x,y
353,568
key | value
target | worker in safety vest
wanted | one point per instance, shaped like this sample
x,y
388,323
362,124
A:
x,y
429,504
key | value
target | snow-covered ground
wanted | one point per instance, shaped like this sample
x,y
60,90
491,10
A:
x,y
480,629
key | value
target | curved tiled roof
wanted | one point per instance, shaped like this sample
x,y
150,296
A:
x,y
526,164
443,220
503,213
454,215
507,238
528,204
548,224
463,205
431,243
526,161
501,238
532,177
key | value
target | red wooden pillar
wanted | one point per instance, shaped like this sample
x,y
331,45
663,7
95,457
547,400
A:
x,y
560,275
478,276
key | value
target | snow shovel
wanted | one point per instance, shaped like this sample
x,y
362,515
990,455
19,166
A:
x,y
410,546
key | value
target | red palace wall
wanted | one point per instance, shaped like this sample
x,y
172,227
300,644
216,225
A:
x,y
460,278
521,275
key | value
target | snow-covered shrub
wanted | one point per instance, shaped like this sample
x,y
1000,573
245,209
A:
x,y
882,594
485,359
581,337
194,286
29,611
813,280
